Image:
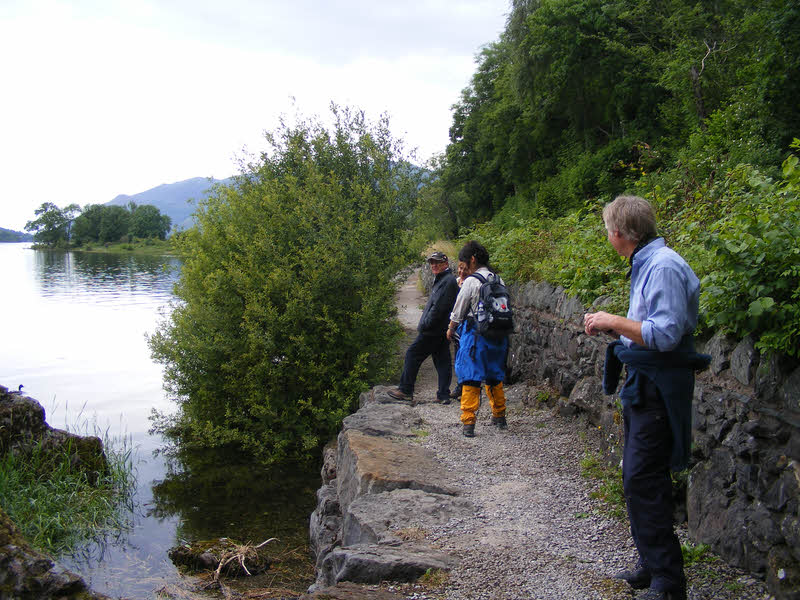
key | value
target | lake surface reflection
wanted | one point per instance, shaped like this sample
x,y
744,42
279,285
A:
x,y
75,327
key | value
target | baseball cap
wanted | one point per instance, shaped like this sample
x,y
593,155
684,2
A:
x,y
437,257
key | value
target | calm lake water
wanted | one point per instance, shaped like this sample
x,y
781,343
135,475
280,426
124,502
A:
x,y
74,334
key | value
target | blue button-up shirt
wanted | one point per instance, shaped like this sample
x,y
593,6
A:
x,y
665,296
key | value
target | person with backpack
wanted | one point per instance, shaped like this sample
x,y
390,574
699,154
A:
x,y
482,320
431,340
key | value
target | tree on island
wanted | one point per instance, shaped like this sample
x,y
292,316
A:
x,y
57,227
53,225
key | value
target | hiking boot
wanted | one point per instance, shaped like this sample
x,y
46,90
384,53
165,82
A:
x,y
456,393
443,400
500,422
651,594
469,430
638,578
399,394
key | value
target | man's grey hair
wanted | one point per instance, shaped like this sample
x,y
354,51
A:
x,y
632,216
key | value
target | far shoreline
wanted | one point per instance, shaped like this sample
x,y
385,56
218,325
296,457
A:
x,y
141,248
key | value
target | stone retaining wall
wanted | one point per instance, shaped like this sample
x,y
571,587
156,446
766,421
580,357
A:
x,y
744,485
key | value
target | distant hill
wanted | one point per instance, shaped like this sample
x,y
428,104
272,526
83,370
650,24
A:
x,y
9,235
173,199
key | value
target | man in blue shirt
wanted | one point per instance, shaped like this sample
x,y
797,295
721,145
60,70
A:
x,y
656,345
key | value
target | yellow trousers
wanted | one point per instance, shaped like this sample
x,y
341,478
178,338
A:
x,y
471,402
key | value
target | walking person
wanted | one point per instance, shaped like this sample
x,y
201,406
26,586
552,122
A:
x,y
479,358
656,345
431,339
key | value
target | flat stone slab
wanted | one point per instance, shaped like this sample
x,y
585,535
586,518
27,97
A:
x,y
369,464
373,563
389,419
392,515
380,395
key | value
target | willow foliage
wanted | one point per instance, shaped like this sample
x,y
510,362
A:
x,y
286,294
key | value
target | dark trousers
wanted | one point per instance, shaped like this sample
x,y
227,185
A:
x,y
424,346
648,489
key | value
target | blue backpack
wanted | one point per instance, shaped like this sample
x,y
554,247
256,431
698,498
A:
x,y
493,318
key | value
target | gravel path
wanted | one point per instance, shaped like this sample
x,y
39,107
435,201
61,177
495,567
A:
x,y
537,533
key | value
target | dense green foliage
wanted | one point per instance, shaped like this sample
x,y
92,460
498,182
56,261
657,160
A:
x,y
740,233
52,226
576,91
286,293
55,505
96,223
689,104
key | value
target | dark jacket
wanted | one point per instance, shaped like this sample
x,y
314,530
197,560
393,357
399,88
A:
x,y
673,374
436,315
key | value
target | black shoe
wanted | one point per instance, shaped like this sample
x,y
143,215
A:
x,y
456,393
443,400
500,422
652,594
469,430
638,578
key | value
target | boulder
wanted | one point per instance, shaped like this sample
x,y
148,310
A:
x,y
28,574
325,526
369,464
391,517
783,574
376,419
744,359
23,429
372,563
720,347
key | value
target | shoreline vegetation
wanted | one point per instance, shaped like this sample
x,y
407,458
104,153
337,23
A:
x,y
147,246
57,499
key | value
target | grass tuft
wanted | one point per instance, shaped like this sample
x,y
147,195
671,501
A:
x,y
609,489
57,506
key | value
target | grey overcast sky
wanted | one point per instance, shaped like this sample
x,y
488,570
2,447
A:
x,y
107,97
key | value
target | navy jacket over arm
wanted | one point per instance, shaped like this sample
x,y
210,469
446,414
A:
x,y
673,374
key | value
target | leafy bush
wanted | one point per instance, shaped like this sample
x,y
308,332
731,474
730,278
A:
x,y
571,251
739,232
286,293
751,278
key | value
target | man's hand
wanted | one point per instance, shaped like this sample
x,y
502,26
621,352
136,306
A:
x,y
603,322
595,323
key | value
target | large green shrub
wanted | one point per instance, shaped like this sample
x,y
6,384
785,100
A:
x,y
751,275
740,232
286,294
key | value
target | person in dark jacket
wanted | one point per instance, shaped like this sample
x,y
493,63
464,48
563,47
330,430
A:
x,y
432,339
656,346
